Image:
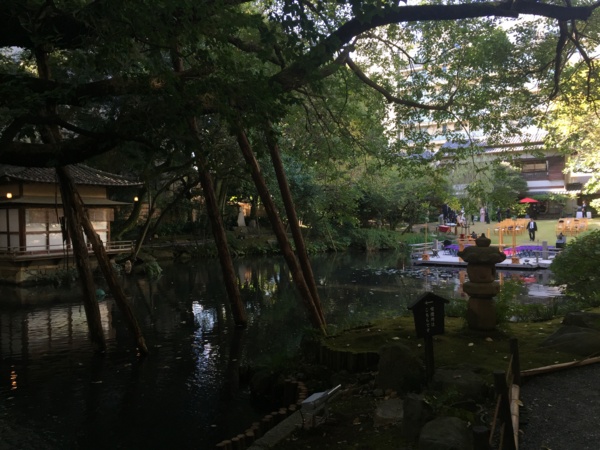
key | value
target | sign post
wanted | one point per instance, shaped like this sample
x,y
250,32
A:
x,y
428,313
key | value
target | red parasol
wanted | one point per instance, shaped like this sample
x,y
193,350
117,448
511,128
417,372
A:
x,y
528,200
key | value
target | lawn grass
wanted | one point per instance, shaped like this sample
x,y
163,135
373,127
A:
x,y
546,232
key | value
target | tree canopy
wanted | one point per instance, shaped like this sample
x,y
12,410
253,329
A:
x,y
110,75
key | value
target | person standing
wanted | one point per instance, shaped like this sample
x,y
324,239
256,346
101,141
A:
x,y
482,214
532,228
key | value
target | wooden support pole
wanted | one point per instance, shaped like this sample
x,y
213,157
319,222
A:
x,y
516,362
507,438
72,201
80,252
481,437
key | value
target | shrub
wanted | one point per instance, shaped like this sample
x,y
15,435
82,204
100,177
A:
x,y
576,267
507,306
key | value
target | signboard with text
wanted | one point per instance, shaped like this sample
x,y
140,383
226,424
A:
x,y
428,312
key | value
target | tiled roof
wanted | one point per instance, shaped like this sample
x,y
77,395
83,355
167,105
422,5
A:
x,y
82,175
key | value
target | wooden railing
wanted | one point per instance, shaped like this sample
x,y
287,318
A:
x,y
418,250
506,416
44,252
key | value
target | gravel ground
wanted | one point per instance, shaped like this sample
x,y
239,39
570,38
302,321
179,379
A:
x,y
561,410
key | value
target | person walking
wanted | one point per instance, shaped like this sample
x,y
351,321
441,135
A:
x,y
532,228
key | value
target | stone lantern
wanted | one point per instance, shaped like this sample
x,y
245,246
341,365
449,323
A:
x,y
482,286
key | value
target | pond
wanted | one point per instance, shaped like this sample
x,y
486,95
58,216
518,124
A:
x,y
55,394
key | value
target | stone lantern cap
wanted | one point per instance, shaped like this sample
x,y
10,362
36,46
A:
x,y
482,253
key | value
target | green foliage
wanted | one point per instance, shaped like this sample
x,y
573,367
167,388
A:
x,y
457,307
486,182
371,239
152,269
572,123
507,306
60,277
391,195
576,267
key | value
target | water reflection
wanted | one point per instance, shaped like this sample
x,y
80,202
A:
x,y
54,393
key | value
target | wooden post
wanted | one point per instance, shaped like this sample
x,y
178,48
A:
x,y
429,360
481,437
516,364
249,437
225,445
290,392
514,258
507,436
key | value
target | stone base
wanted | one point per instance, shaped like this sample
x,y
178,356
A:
x,y
481,314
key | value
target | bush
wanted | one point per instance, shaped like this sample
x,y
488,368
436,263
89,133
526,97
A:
x,y
576,267
507,306
371,239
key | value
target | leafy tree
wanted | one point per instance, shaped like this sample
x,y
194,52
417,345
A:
x,y
393,196
494,184
572,124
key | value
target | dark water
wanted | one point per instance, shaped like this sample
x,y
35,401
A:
x,y
55,394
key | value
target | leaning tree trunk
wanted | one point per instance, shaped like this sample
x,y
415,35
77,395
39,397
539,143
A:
x,y
279,230
82,260
214,215
131,222
218,230
290,210
51,134
71,197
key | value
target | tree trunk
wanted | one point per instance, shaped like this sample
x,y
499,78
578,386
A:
x,y
51,134
279,229
82,261
216,220
84,223
131,222
290,210
218,230
142,237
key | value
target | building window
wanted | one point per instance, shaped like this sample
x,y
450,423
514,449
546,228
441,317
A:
x,y
534,166
9,229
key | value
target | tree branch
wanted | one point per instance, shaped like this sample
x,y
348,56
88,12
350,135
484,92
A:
x,y
391,98
298,73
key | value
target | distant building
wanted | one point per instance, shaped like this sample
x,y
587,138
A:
x,y
542,169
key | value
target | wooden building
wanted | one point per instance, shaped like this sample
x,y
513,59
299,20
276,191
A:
x,y
33,236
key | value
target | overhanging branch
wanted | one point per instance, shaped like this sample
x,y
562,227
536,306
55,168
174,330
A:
x,y
392,98
298,73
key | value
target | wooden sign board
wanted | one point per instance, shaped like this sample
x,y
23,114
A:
x,y
428,312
